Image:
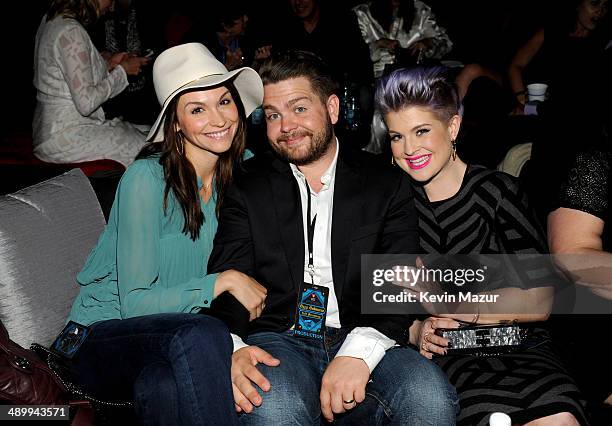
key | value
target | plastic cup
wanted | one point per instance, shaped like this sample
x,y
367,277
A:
x,y
500,419
537,91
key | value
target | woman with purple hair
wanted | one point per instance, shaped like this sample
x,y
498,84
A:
x,y
464,210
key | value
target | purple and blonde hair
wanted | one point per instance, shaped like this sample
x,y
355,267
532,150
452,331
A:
x,y
430,87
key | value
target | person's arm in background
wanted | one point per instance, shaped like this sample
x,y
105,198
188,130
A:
x,y
575,239
575,228
74,52
521,59
471,72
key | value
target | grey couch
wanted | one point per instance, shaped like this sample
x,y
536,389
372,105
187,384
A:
x,y
46,232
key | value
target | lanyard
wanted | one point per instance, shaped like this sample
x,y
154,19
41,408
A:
x,y
310,226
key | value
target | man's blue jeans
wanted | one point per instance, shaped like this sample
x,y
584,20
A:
x,y
175,367
405,388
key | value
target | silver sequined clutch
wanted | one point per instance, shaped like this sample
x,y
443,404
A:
x,y
483,339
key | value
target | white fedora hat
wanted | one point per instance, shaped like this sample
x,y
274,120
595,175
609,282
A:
x,y
192,66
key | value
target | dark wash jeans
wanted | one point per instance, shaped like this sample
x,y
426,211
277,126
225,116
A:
x,y
175,367
405,389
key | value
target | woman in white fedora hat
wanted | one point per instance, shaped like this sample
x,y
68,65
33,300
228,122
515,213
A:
x,y
145,279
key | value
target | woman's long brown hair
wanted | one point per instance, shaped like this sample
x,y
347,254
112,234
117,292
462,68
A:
x,y
179,174
86,12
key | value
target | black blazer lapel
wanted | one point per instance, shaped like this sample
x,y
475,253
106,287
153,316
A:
x,y
347,201
288,206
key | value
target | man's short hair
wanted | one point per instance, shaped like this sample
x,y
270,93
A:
x,y
289,64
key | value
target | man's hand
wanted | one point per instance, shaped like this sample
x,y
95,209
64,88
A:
x,y
344,380
245,373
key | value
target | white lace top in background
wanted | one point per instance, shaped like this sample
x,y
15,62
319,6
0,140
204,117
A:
x,y
72,82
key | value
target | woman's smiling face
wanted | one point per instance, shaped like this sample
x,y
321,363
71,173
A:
x,y
208,120
421,141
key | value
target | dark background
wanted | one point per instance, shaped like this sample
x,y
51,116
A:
x,y
480,30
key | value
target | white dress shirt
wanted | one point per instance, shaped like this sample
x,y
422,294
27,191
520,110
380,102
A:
x,y
364,343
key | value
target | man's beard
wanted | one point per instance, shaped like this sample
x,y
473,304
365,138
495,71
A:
x,y
320,143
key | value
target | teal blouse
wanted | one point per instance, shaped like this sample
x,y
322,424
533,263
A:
x,y
143,263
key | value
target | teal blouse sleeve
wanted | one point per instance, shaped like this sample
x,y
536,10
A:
x,y
139,221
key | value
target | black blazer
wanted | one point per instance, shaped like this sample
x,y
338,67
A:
x,y
261,234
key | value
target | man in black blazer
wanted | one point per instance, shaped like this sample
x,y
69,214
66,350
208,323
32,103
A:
x,y
297,221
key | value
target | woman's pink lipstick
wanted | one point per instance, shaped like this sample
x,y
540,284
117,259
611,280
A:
x,y
418,161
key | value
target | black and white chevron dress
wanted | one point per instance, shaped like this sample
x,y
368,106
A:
x,y
489,214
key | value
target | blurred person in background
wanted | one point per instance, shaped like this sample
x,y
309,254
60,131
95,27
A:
x,y
401,32
223,30
72,81
124,29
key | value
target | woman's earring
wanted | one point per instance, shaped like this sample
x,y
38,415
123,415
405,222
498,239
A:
x,y
392,161
180,145
454,146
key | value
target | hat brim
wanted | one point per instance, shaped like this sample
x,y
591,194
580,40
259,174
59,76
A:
x,y
247,83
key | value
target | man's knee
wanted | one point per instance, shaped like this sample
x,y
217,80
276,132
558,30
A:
x,y
431,394
291,400
425,374
416,387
